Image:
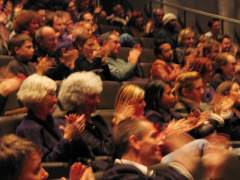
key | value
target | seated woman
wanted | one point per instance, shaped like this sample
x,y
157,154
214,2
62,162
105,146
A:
x,y
80,94
38,94
159,102
129,103
226,104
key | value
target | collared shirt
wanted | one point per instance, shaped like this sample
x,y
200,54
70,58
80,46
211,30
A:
x,y
144,169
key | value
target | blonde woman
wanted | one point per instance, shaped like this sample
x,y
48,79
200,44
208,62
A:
x,y
129,103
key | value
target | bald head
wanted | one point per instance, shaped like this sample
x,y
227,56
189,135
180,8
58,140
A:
x,y
46,38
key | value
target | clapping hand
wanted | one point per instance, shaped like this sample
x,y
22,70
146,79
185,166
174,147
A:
x,y
134,54
80,172
75,126
44,63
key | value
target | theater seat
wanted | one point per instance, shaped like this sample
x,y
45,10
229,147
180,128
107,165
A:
x,y
4,60
108,28
147,42
146,67
12,102
8,124
108,95
147,55
56,170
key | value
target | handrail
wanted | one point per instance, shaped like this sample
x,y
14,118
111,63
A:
x,y
196,11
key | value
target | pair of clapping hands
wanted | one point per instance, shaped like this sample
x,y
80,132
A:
x,y
79,171
74,126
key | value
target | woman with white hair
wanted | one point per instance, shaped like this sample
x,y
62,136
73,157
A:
x,y
80,94
38,94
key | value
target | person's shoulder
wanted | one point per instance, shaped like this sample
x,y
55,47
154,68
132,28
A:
x,y
123,171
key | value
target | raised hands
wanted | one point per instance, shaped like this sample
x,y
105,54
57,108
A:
x,y
194,120
75,125
44,63
80,172
69,57
124,112
134,54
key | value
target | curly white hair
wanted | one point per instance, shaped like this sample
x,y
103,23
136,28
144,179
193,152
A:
x,y
76,86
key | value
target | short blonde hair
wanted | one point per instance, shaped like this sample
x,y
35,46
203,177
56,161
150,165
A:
x,y
76,86
34,89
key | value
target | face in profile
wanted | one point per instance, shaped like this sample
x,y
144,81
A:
x,y
26,51
235,91
91,102
139,107
195,91
48,103
168,99
166,52
32,168
151,153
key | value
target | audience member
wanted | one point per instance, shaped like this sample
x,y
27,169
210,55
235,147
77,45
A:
x,y
224,68
38,94
189,89
133,161
27,22
214,29
155,24
21,47
20,159
129,102
121,69
79,94
170,29
159,102
164,68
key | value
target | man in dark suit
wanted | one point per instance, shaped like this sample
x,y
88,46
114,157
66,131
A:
x,y
139,146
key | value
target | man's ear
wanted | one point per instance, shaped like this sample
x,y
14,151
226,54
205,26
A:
x,y
16,50
134,142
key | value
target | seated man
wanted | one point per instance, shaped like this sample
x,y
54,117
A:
x,y
134,161
121,69
139,145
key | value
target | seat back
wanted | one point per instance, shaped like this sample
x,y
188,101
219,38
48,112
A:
x,y
9,124
108,95
147,42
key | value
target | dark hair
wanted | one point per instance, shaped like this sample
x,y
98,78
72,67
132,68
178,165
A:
x,y
157,44
17,41
13,153
210,23
225,36
153,94
23,19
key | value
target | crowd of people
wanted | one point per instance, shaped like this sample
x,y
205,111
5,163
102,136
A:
x,y
177,126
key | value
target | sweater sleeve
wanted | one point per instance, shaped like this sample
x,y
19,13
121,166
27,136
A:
x,y
120,69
